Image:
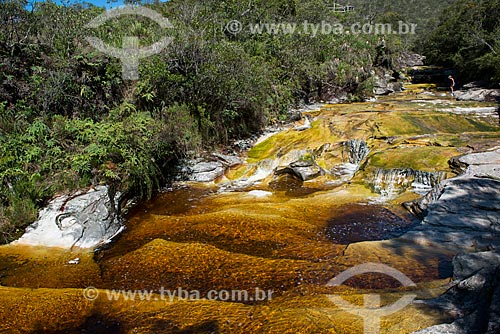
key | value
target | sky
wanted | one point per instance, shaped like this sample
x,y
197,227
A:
x,y
100,3
106,3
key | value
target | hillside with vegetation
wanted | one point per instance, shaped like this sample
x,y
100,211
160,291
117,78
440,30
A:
x,y
467,39
424,13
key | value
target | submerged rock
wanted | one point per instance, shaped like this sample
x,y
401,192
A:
x,y
82,220
286,182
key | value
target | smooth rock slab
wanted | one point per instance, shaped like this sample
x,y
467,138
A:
x,y
82,220
464,217
478,94
466,265
206,171
201,170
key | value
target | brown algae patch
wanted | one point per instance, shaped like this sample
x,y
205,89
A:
x,y
275,226
34,267
196,266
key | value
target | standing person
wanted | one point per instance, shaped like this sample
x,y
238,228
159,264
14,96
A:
x,y
452,85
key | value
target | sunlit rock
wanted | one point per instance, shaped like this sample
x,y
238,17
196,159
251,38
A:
x,y
478,94
83,220
259,193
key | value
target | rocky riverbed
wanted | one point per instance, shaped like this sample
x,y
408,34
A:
x,y
464,217
297,210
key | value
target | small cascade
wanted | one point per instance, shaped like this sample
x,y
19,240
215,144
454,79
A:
x,y
264,168
391,182
354,151
305,126
425,181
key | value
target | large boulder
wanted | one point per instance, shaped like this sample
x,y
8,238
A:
x,y
478,94
84,220
385,85
462,213
381,86
472,299
407,59
303,169
463,219
207,169
486,164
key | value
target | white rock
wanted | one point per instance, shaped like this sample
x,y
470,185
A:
x,y
81,220
259,193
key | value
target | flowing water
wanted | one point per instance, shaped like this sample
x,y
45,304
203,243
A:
x,y
305,206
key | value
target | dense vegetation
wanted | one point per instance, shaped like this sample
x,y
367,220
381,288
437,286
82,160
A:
x,y
424,13
468,39
69,120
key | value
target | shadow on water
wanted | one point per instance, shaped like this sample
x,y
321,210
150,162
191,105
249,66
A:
x,y
473,308
292,186
359,222
95,324
167,327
